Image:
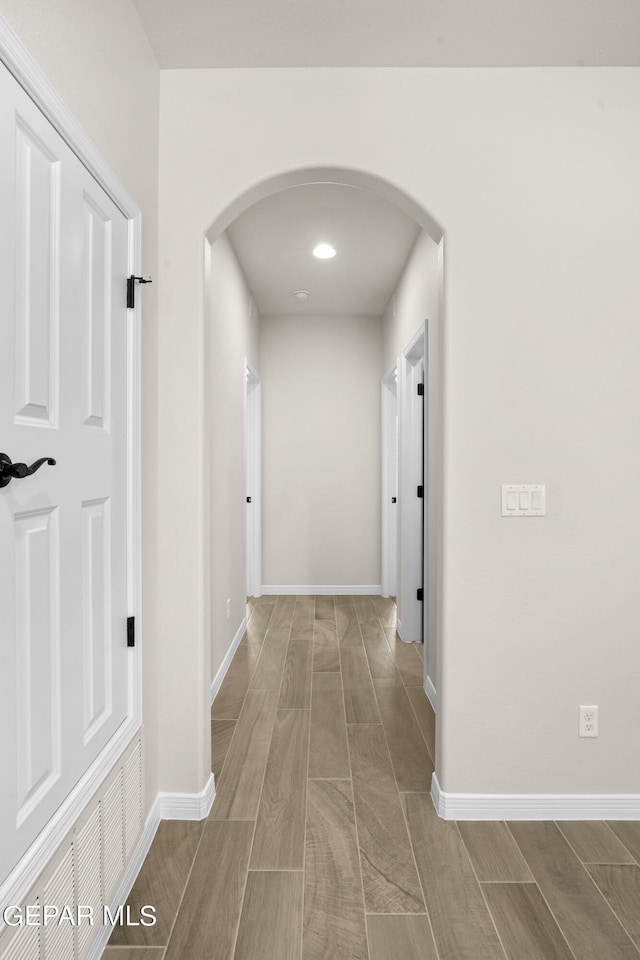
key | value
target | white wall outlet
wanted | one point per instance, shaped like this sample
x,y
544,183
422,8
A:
x,y
229,608
588,721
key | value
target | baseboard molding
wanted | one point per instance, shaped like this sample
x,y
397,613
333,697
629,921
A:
x,y
187,806
216,683
430,691
323,589
133,868
534,806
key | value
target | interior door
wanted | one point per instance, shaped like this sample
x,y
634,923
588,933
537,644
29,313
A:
x,y
64,662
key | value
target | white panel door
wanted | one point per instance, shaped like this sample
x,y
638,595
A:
x,y
64,662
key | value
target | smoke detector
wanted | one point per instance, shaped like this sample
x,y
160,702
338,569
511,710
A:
x,y
301,295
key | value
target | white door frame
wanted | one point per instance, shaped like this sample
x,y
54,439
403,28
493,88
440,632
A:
x,y
389,482
253,479
413,616
15,57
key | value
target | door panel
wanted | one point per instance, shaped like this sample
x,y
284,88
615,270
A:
x,y
64,663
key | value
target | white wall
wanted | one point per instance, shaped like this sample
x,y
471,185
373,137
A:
x,y
416,299
232,334
321,450
98,59
533,175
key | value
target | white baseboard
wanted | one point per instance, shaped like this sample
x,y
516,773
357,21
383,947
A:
x,y
534,806
323,589
133,868
430,691
166,806
216,683
187,806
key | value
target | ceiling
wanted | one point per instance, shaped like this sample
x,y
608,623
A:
x,y
392,33
274,239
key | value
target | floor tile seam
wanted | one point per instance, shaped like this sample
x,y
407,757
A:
x,y
405,685
402,813
264,774
355,823
423,734
609,863
541,892
184,889
234,734
413,854
330,779
389,748
306,803
630,852
496,883
241,899
284,660
600,892
482,893
226,754
584,862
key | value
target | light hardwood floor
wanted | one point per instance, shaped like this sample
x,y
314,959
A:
x,y
323,844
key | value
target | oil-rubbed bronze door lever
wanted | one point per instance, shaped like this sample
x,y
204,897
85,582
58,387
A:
x,y
17,471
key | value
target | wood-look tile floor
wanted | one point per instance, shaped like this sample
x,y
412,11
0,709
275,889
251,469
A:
x,y
323,844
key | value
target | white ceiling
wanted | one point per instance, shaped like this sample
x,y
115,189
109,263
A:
x,y
392,33
274,239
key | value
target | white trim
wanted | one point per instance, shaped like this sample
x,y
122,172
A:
x,y
216,683
388,482
253,478
19,62
134,865
412,541
534,806
187,806
33,81
430,691
322,589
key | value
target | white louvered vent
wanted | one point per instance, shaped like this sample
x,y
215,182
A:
x,y
133,800
112,837
85,869
25,943
89,875
59,939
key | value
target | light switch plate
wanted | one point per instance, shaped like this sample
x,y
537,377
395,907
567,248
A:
x,y
523,500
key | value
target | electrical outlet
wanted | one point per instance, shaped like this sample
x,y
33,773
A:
x,y
229,609
588,721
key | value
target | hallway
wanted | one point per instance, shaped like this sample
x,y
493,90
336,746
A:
x,y
323,842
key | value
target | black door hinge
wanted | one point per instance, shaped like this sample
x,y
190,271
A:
x,y
131,289
421,389
421,491
420,593
131,631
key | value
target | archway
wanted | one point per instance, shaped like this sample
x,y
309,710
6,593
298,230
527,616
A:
x,y
373,184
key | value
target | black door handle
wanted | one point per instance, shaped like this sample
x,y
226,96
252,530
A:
x,y
248,499
18,471
394,499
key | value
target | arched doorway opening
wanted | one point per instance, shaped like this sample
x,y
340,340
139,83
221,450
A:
x,y
432,335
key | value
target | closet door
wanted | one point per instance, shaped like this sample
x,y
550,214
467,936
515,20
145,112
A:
x,y
64,661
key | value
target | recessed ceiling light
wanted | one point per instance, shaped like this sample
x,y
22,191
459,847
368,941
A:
x,y
301,294
324,251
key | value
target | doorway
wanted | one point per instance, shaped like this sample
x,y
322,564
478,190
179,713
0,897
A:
x,y
253,481
412,592
389,484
